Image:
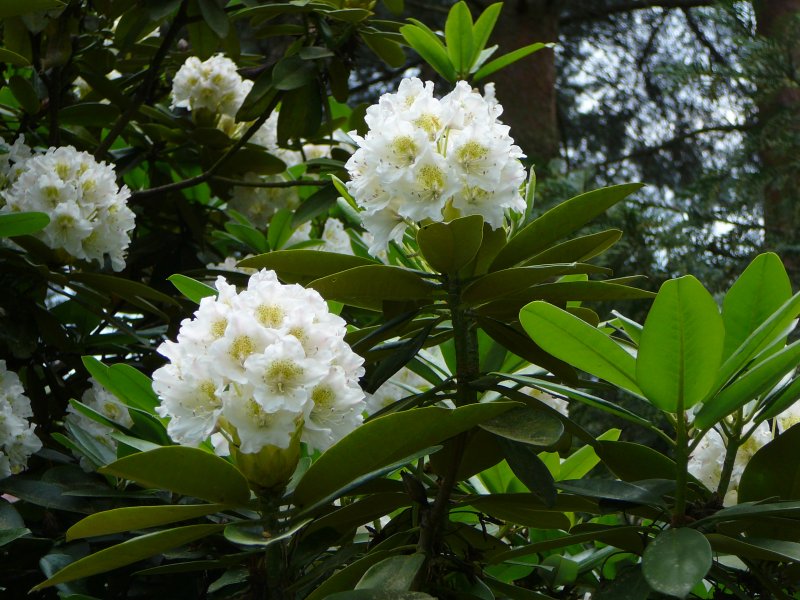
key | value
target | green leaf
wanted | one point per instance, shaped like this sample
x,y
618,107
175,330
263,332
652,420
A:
x,y
757,380
681,346
9,535
301,112
509,281
449,247
430,48
369,286
23,223
634,462
389,438
558,222
759,291
215,16
770,473
578,249
781,401
754,548
137,517
191,288
458,35
387,50
348,577
677,560
610,490
572,340
88,114
773,328
304,266
534,427
378,594
293,72
129,552
530,470
508,59
25,94
483,29
12,58
523,509
184,470
393,573
248,533
13,8
618,536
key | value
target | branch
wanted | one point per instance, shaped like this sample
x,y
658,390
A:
x,y
629,6
271,184
648,150
146,87
701,37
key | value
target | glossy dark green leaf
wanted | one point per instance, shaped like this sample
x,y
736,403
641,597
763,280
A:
x,y
9,535
676,561
389,438
681,346
578,249
301,113
364,510
23,223
559,222
458,35
430,48
570,339
260,99
523,510
124,288
304,266
12,58
215,16
508,59
395,573
618,536
137,517
45,494
771,473
754,548
348,577
758,292
184,470
529,469
369,286
293,72
633,462
534,427
387,50
129,552
248,533
760,378
191,288
610,490
25,94
449,247
508,281
628,584
89,114
12,8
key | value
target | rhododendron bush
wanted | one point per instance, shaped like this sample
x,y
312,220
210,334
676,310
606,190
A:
x,y
257,341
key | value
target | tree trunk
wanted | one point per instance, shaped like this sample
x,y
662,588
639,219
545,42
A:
x,y
779,129
527,89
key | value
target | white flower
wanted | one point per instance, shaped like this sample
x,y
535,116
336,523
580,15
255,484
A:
x,y
336,238
106,404
423,158
17,439
258,204
260,367
213,85
89,216
12,160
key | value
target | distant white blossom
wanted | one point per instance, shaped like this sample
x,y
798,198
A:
x,y
17,439
425,158
261,367
89,215
213,85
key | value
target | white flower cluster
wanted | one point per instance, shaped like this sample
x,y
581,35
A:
x,y
17,440
105,403
425,158
89,215
261,367
213,85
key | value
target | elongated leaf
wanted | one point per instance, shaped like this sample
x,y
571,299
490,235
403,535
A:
x,y
24,223
458,35
754,548
753,383
369,286
215,16
483,29
13,8
191,288
430,48
534,427
759,291
610,490
508,59
578,249
137,517
574,341
530,470
559,222
449,247
774,327
769,473
389,438
12,58
524,509
633,462
783,400
676,561
347,578
681,346
387,50
184,470
247,533
393,573
304,266
129,552
619,536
